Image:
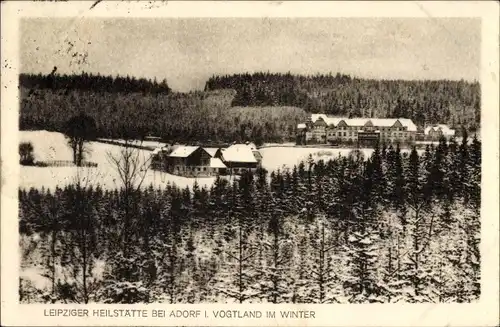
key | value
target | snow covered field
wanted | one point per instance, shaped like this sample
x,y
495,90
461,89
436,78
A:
x,y
286,157
52,146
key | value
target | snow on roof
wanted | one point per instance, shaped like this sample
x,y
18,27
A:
x,y
379,122
216,163
428,129
328,120
444,128
211,151
183,151
238,153
301,126
409,124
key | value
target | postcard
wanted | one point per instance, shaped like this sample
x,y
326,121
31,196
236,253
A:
x,y
234,163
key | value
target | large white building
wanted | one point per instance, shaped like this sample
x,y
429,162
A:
x,y
323,129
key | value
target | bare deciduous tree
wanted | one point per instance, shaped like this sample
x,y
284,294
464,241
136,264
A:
x,y
131,164
84,238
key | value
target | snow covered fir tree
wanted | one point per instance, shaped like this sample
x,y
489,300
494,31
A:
x,y
392,227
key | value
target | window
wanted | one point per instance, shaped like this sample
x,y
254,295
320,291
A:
x,y
345,133
400,134
350,133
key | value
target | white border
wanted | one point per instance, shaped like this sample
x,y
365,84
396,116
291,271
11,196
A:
x,y
484,313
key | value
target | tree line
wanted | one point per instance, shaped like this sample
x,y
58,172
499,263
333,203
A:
x,y
394,227
455,103
93,82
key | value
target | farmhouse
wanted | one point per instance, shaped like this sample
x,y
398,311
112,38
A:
x,y
189,161
323,129
195,161
239,157
434,132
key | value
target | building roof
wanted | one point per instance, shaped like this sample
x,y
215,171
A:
x,y
378,122
183,151
216,163
328,119
301,126
238,153
444,128
211,151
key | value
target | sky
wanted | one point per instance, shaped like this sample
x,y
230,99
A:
x,y
187,51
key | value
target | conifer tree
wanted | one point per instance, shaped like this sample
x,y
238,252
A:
x,y
237,277
463,166
324,274
473,186
278,249
421,226
83,241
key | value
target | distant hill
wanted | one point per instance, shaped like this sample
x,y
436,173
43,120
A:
x,y
262,107
91,82
186,117
455,103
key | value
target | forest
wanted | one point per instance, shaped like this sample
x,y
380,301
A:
x,y
135,107
455,103
261,107
393,227
90,82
